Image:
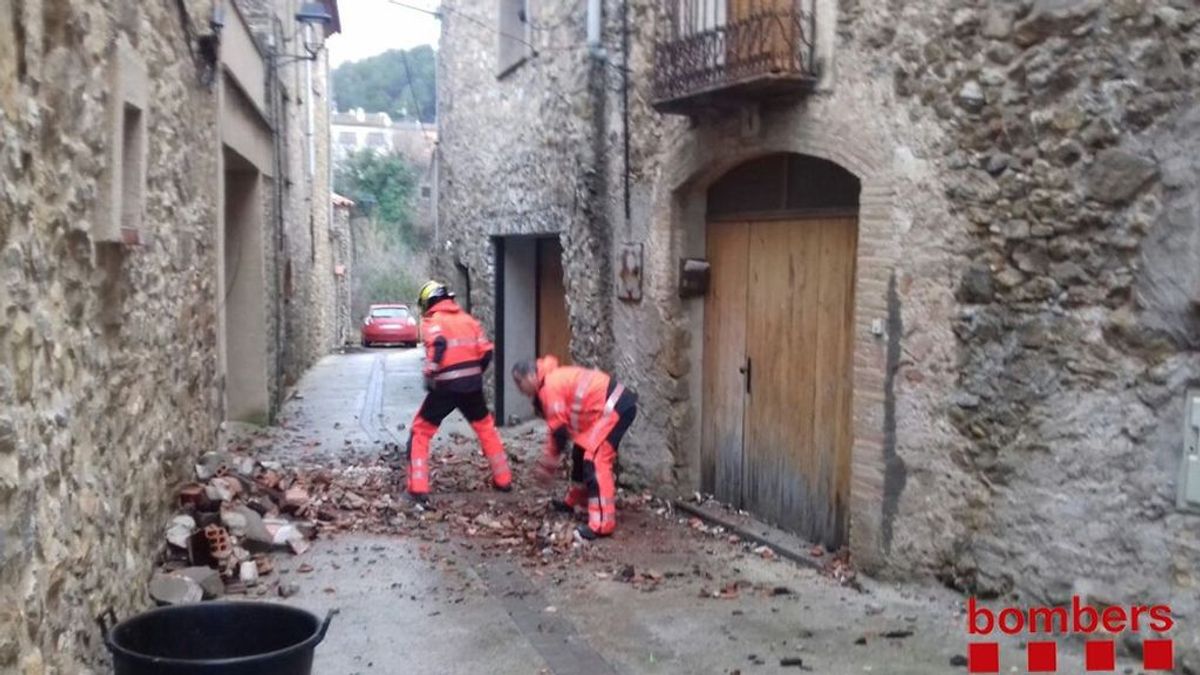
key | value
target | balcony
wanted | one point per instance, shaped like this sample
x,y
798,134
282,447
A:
x,y
711,53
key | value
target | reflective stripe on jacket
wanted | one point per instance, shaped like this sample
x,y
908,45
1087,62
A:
x,y
456,349
577,399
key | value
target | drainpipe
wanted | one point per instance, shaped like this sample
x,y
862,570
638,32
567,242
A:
x,y
308,95
600,233
276,112
328,137
595,15
625,106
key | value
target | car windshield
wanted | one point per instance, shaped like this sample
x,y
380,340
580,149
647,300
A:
x,y
389,313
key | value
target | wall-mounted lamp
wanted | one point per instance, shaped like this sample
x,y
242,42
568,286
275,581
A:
x,y
310,15
217,22
209,44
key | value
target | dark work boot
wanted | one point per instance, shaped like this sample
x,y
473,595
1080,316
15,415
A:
x,y
421,502
502,488
561,506
585,532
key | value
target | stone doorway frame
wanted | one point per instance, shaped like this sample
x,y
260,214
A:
x,y
702,157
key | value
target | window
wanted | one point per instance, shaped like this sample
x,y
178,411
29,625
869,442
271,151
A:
x,y
425,191
123,195
348,138
514,35
389,312
133,173
376,139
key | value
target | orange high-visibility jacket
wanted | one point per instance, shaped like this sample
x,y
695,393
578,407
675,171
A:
x,y
577,400
456,349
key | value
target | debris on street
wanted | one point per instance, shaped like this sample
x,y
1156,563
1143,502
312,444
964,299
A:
x,y
274,494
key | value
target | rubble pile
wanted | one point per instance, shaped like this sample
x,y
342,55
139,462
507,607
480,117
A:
x,y
839,568
230,521
519,525
241,511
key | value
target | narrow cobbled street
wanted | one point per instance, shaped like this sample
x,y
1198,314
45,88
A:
x,y
492,582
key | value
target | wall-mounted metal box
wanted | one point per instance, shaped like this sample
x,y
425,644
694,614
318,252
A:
x,y
629,277
693,277
1189,466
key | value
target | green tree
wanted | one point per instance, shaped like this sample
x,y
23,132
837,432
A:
x,y
381,84
383,185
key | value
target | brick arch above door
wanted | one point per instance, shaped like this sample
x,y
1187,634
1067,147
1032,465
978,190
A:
x,y
700,157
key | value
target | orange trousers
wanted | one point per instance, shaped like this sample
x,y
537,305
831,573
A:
x,y
437,406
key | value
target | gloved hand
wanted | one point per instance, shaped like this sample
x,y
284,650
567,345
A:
x,y
544,472
428,383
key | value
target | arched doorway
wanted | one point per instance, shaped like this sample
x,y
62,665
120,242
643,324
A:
x,y
782,233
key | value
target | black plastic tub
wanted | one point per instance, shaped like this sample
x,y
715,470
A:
x,y
215,638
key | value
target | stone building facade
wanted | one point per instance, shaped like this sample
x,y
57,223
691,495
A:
x,y
304,214
138,221
1025,271
343,264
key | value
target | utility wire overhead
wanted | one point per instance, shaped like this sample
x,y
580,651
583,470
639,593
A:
x,y
501,33
412,92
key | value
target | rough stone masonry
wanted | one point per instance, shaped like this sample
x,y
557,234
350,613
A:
x,y
109,378
1028,235
104,351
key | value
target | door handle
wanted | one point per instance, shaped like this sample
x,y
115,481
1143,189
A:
x,y
748,371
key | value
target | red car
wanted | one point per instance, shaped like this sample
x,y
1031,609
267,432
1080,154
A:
x,y
390,324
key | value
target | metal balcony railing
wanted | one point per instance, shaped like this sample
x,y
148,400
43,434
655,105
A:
x,y
708,50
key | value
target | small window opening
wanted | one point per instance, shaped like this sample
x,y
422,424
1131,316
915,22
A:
x,y
133,173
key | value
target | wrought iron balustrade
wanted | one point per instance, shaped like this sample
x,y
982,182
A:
x,y
727,49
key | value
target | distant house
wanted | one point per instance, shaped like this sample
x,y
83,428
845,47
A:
x,y
360,130
356,130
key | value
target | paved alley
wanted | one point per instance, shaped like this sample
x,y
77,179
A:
x,y
456,591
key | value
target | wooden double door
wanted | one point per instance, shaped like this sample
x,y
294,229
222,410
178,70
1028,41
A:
x,y
778,361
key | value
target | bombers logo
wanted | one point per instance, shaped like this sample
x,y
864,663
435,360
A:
x,y
1101,626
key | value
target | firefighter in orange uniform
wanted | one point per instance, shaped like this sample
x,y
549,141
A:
x,y
591,409
456,355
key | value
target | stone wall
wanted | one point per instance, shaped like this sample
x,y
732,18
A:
x,y
311,309
107,353
1068,161
302,277
343,257
110,381
1027,236
529,138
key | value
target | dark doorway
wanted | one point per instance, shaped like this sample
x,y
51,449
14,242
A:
x,y
531,313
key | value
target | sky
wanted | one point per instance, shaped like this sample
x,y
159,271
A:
x,y
370,27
